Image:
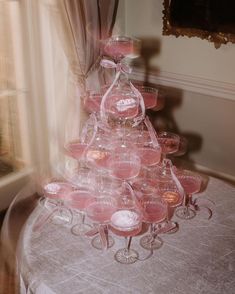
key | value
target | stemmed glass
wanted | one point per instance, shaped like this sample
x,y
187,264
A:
x,y
154,212
98,156
100,210
56,192
119,47
169,143
191,183
173,199
170,189
150,151
126,222
77,148
78,200
124,163
150,96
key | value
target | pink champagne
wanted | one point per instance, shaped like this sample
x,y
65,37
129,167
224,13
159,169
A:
x,y
149,156
76,149
154,212
58,190
79,199
150,99
121,106
119,48
126,223
190,184
100,212
125,170
172,198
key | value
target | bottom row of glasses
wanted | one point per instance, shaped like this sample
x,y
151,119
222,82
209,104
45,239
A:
x,y
125,222
124,217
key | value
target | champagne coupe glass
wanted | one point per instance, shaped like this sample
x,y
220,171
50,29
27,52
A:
x,y
169,188
173,199
169,143
56,192
100,210
154,211
191,183
98,156
77,148
150,95
121,103
124,163
143,185
119,47
78,200
150,152
183,145
126,223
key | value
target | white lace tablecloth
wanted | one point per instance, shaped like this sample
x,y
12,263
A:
x,y
198,259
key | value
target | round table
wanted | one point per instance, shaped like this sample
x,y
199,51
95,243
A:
x,y
199,258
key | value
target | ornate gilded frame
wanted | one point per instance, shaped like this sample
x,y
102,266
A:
x,y
216,38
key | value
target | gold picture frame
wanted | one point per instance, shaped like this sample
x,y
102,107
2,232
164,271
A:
x,y
217,38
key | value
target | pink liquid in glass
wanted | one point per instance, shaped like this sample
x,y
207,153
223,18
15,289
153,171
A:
x,y
126,223
79,199
119,48
76,149
58,190
149,156
172,198
125,169
168,145
190,184
154,212
150,99
100,212
121,106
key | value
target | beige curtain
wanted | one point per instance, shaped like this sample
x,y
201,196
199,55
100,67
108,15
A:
x,y
74,31
9,132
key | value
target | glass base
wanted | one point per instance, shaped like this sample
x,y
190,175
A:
x,y
126,256
80,229
96,242
185,213
174,230
150,243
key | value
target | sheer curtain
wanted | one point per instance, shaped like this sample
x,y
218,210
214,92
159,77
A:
x,y
77,31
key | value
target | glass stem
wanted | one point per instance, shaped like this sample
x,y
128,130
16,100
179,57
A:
x,y
83,217
129,244
168,214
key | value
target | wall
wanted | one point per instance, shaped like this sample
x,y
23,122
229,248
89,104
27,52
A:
x,y
203,77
